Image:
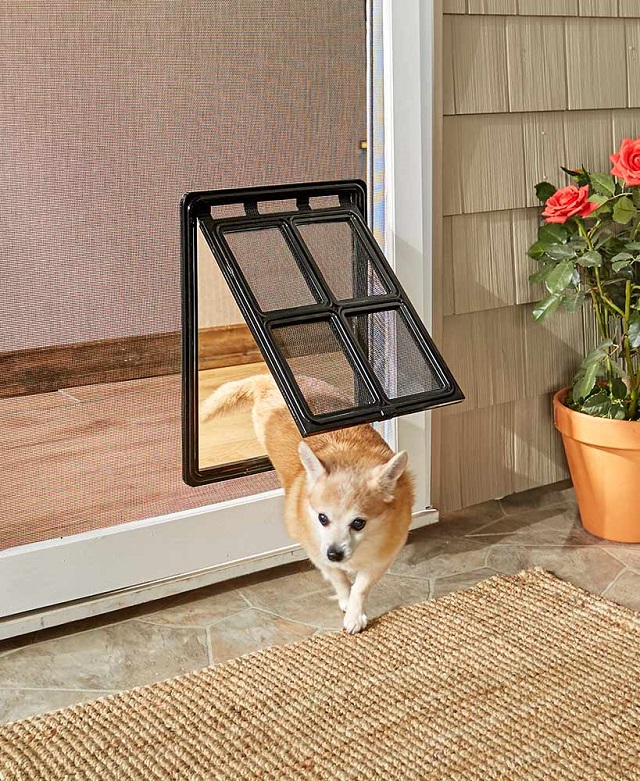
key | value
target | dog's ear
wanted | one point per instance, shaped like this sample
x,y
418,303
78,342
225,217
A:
x,y
313,466
387,475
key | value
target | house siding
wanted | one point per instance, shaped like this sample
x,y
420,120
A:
x,y
526,86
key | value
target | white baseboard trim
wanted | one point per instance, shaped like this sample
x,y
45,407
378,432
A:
x,y
90,607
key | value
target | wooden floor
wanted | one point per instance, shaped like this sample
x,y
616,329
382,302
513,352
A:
x,y
99,455
229,437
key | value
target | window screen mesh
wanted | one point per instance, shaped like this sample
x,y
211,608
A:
x,y
270,269
110,113
341,259
317,360
397,360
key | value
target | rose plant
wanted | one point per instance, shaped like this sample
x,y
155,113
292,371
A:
x,y
588,250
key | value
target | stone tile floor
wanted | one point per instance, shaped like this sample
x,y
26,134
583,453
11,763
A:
x,y
62,666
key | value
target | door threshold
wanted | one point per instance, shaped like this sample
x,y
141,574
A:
x,y
76,610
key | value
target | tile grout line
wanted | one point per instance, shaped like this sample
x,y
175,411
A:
x,y
192,626
426,578
611,551
295,620
245,598
615,580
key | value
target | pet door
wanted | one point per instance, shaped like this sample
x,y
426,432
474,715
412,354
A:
x,y
335,328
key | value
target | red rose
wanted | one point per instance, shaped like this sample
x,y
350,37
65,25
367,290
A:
x,y
568,202
626,164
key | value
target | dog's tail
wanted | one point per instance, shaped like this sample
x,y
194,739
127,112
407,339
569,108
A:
x,y
235,393
319,394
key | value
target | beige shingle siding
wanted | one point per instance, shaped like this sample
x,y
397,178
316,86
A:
x,y
527,85
587,8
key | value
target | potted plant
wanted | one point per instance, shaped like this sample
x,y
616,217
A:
x,y
588,250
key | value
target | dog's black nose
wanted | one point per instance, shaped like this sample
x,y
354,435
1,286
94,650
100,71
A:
x,y
335,554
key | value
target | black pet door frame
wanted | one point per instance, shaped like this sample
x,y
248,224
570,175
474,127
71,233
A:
x,y
336,330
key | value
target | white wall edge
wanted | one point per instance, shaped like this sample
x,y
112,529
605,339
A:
x,y
121,599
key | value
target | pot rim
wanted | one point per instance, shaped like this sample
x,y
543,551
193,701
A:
x,y
601,432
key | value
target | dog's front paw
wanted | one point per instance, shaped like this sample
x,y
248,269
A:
x,y
344,603
354,622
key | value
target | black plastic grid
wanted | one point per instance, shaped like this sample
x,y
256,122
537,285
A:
x,y
335,328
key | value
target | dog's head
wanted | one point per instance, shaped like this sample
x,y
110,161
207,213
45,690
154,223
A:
x,y
349,503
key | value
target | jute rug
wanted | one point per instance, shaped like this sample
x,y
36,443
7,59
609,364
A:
x,y
522,677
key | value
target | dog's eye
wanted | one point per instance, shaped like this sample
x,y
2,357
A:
x,y
358,524
323,519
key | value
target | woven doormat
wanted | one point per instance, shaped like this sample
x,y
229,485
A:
x,y
522,677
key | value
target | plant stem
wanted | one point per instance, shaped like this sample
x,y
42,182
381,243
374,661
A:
x,y
633,380
633,407
596,308
583,233
605,298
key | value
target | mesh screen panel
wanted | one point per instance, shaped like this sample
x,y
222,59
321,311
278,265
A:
x,y
340,256
397,360
111,111
270,269
317,360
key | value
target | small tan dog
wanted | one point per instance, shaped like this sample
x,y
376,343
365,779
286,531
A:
x,y
348,498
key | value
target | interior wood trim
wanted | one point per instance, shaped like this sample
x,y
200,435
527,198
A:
x,y
48,369
226,345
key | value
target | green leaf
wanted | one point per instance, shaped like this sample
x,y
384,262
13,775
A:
x,y
599,352
599,404
577,243
633,246
634,332
624,210
541,274
617,411
599,199
591,259
547,306
618,389
559,277
621,260
603,184
602,201
585,382
537,250
553,234
620,264
573,303
544,191
622,256
561,252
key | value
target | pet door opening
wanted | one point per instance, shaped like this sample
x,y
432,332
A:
x,y
329,317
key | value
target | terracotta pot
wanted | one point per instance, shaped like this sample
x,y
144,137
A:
x,y
604,461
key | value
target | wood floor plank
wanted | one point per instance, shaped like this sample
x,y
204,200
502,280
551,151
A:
x,y
113,458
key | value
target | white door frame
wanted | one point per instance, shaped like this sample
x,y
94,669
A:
x,y
408,44
47,583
